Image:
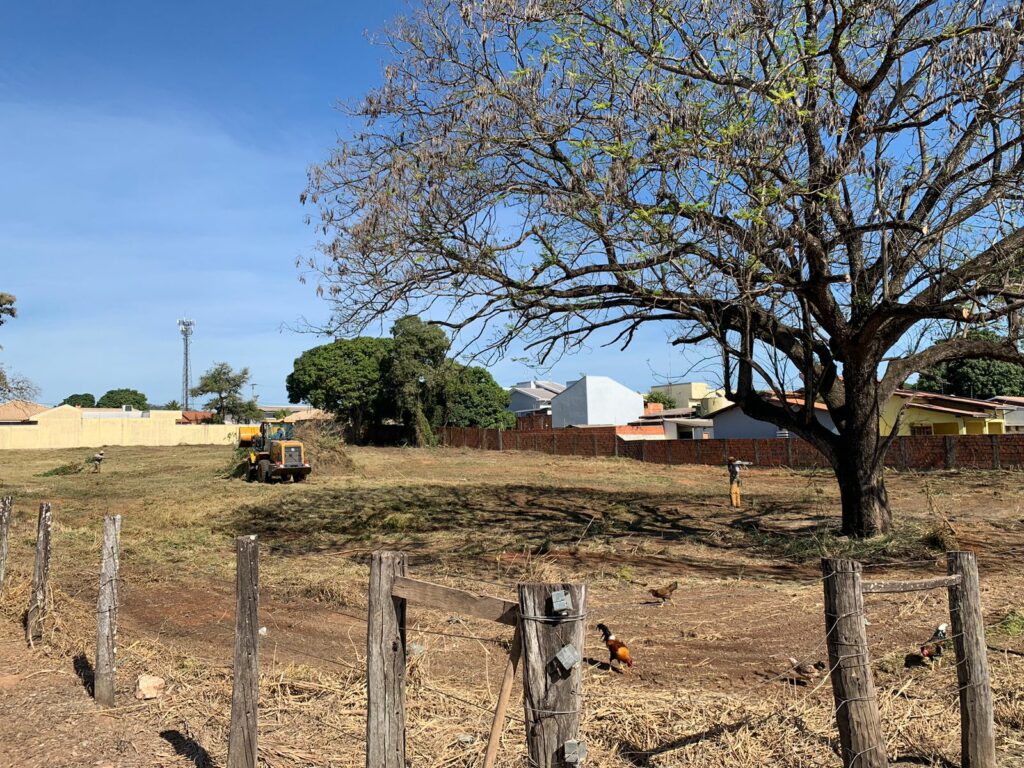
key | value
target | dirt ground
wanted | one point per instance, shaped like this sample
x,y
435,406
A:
x,y
709,688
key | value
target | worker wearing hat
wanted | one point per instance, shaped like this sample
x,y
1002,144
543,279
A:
x,y
734,480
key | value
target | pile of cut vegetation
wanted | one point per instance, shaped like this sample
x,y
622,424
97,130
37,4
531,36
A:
x,y
73,468
324,440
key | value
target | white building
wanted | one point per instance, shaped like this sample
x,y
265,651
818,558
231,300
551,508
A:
x,y
595,400
533,396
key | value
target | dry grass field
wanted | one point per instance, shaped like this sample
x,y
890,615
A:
x,y
708,688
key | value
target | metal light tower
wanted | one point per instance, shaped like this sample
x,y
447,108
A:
x,y
186,326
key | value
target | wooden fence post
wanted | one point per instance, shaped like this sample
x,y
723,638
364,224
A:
x,y
6,503
977,729
552,695
501,440
949,451
498,724
40,577
106,613
860,727
996,459
245,687
385,664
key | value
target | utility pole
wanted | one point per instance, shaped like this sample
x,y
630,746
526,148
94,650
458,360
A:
x,y
186,327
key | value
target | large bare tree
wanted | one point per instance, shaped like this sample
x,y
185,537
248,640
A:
x,y
809,186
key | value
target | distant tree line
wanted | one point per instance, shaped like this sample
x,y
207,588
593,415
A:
x,y
222,382
407,379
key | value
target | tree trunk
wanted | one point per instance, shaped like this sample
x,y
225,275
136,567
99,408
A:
x,y
860,470
357,426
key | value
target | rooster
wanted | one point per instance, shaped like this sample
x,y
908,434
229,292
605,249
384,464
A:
x,y
932,649
617,649
664,594
805,671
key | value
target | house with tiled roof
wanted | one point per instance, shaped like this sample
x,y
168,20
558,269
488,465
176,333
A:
x,y
731,423
534,396
931,413
1014,419
16,411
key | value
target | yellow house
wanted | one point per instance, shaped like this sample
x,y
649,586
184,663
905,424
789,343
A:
x,y
928,413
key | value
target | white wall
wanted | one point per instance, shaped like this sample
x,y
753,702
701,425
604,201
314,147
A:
x,y
596,400
570,406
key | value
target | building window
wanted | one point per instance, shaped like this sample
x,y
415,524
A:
x,y
919,430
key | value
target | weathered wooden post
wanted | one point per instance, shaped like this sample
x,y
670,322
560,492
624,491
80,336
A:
x,y
6,504
860,727
977,728
552,620
40,577
498,724
385,664
106,613
246,673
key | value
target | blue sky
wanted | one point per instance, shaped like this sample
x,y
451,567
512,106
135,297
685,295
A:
x,y
151,160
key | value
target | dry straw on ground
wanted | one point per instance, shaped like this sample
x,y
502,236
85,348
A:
x,y
707,690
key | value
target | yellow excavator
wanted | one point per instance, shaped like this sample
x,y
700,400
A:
x,y
274,452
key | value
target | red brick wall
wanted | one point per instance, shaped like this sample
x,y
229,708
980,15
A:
x,y
935,452
533,421
645,429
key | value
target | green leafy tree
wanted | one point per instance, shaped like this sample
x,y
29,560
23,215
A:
x,y
282,413
344,378
472,398
657,396
12,386
7,307
172,405
977,378
117,398
84,400
413,371
805,188
225,385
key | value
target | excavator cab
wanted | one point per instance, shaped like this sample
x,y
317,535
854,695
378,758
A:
x,y
276,430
